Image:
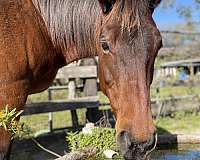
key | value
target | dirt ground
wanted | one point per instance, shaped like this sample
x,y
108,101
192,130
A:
x,y
27,150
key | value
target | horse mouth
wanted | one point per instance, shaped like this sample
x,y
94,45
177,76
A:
x,y
141,151
134,155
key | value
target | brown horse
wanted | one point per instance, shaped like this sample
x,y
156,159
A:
x,y
37,37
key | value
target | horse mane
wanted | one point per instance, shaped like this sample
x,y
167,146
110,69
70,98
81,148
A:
x,y
75,22
71,23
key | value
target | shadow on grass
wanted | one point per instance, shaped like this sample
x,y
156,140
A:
x,y
166,140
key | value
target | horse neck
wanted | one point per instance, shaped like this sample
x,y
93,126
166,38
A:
x,y
72,26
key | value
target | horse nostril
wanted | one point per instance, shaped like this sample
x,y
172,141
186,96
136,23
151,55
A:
x,y
124,139
125,142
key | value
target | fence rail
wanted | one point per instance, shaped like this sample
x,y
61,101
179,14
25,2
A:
x,y
61,105
91,101
77,72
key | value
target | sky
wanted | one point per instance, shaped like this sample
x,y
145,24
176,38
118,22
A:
x,y
167,18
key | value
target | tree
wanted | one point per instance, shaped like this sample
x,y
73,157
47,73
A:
x,y
188,10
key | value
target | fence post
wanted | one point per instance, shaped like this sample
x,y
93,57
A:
x,y
71,96
91,89
159,103
50,121
191,68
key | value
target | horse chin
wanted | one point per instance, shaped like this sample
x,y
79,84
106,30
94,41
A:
x,y
135,155
130,156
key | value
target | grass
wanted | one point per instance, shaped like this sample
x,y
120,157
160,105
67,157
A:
x,y
175,91
180,123
102,138
60,120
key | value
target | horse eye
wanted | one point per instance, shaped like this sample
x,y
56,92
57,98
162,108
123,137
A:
x,y
105,47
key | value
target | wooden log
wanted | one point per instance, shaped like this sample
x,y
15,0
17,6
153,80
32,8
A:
x,y
178,139
79,155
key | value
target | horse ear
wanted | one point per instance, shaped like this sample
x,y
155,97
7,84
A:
x,y
154,3
106,5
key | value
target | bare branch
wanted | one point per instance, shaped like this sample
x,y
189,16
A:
x,y
79,155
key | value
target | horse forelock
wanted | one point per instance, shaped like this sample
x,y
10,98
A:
x,y
128,13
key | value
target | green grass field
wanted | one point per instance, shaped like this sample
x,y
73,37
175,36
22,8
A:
x,y
175,91
180,123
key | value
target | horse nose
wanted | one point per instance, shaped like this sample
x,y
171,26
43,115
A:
x,y
132,149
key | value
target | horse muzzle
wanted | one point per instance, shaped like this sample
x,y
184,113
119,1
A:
x,y
134,150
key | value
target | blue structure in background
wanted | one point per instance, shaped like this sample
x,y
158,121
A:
x,y
183,76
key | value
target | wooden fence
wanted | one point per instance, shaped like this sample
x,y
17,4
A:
x,y
91,99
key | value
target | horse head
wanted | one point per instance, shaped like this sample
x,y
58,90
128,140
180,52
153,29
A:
x,y
128,44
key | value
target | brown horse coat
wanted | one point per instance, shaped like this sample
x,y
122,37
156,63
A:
x,y
37,37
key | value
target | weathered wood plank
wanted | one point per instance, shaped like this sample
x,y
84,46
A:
x,y
71,96
61,105
77,72
91,89
58,87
